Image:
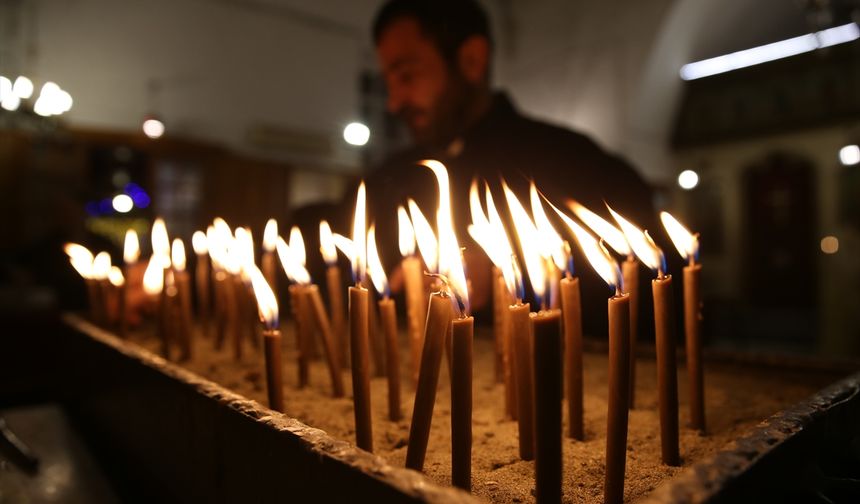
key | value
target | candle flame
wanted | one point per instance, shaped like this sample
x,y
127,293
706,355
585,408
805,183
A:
x,y
359,236
267,303
686,242
428,246
449,253
214,246
406,233
270,235
153,277
345,245
602,228
553,245
529,240
81,259
115,276
131,247
177,254
596,254
101,266
231,260
245,248
374,265
297,245
327,247
199,242
160,240
294,269
641,243
489,233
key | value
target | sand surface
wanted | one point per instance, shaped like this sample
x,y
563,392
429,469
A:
x,y
737,398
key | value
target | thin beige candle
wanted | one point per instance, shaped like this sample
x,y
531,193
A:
x,y
572,323
329,344
438,320
130,256
267,308
200,245
630,273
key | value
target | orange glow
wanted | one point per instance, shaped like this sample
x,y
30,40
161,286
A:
x,y
374,265
294,269
428,246
553,245
267,303
160,240
597,255
177,254
529,240
199,242
602,228
327,246
131,247
270,235
359,236
115,276
686,242
406,233
641,243
297,245
101,266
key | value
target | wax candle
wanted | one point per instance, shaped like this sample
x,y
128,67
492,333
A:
x,y
546,328
667,381
413,286
101,269
302,328
615,238
358,326
183,289
687,244
329,344
201,280
335,292
438,320
489,233
619,389
462,333
428,247
130,255
572,323
521,339
267,307
388,318
153,285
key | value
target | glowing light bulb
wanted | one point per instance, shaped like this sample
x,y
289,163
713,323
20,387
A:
x,y
356,134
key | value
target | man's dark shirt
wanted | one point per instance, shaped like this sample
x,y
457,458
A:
x,y
506,144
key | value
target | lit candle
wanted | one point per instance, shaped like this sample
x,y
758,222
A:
x,y
462,335
267,261
335,292
200,245
528,237
688,246
664,326
358,327
613,236
619,367
413,286
572,324
161,248
183,289
299,305
489,233
130,255
101,269
219,243
310,301
82,261
388,316
117,281
153,285
428,248
267,306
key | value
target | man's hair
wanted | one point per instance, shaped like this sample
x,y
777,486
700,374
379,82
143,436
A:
x,y
448,23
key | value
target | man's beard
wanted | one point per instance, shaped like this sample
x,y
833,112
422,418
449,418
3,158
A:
x,y
447,118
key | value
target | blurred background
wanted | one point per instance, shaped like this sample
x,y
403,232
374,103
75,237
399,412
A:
x,y
116,112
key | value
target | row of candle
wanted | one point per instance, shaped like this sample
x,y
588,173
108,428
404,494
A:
x,y
533,383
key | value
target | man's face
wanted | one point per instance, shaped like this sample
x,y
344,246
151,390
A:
x,y
423,90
